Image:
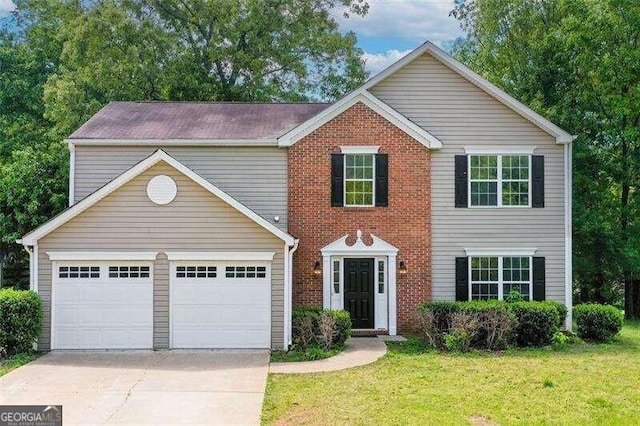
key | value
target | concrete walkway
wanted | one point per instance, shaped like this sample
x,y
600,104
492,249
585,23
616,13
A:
x,y
144,387
359,351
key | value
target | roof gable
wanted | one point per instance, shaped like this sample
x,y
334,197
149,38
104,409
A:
x,y
368,99
478,81
64,217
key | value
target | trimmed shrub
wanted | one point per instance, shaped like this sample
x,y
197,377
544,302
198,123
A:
x,y
536,323
487,325
562,311
20,320
599,323
311,325
305,326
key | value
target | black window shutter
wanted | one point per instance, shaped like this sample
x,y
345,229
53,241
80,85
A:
x,y
382,180
537,181
462,279
337,180
538,278
461,181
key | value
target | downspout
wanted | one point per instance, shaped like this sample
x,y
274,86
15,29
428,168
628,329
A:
x,y
29,250
289,295
72,173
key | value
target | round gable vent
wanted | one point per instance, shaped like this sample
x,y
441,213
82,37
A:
x,y
162,189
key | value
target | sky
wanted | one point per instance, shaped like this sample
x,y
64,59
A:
x,y
390,30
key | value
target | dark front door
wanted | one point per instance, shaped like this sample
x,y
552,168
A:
x,y
358,291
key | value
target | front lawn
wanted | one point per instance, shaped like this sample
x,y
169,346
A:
x,y
587,383
14,362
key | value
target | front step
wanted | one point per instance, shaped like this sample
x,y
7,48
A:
x,y
368,332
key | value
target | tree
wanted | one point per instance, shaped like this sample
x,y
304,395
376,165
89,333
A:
x,y
66,59
577,62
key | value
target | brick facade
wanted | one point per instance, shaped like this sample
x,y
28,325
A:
x,y
405,223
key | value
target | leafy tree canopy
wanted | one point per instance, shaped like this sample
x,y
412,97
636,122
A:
x,y
68,58
578,63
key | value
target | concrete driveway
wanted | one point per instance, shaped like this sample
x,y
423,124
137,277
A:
x,y
144,387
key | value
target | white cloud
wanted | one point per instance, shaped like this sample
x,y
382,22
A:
x,y
376,62
417,20
6,7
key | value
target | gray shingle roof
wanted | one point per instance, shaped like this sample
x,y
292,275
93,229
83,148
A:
x,y
194,120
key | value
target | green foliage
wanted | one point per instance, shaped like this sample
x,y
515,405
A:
x,y
312,353
577,62
560,340
599,323
536,323
15,361
310,323
562,311
342,325
67,59
457,341
20,320
513,296
490,324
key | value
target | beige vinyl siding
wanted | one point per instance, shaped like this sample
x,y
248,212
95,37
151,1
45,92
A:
x,y
460,114
196,220
255,176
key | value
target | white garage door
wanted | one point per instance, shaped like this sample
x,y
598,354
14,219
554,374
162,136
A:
x,y
102,305
220,304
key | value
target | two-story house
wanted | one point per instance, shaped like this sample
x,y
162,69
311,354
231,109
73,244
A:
x,y
201,225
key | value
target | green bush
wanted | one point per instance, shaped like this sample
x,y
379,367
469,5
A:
x,y
488,325
457,341
536,323
598,323
562,311
343,325
314,325
20,320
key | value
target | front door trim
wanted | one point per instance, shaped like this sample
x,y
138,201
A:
x,y
379,250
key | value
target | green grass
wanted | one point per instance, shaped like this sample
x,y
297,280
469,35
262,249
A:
x,y
14,362
313,353
582,384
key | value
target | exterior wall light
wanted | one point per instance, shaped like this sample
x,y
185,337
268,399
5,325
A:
x,y
402,268
317,270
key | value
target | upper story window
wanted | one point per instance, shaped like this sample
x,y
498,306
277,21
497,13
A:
x,y
499,180
359,179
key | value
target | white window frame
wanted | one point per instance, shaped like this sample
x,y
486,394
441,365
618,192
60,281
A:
x,y
373,179
501,273
499,180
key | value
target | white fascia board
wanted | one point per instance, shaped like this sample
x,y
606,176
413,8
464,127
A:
x,y
219,255
101,255
499,149
359,149
175,142
474,78
159,155
368,99
500,251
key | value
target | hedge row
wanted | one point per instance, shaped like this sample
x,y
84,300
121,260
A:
x,y
491,325
20,320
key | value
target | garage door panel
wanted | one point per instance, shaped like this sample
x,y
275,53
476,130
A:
x,y
221,312
103,312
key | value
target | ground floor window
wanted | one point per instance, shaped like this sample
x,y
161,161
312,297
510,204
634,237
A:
x,y
495,277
